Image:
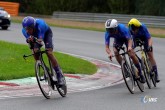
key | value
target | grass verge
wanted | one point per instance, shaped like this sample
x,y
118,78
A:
x,y
13,66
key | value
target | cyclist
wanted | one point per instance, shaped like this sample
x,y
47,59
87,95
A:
x,y
121,36
139,31
40,30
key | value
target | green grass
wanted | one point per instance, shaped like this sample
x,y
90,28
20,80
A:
x,y
13,66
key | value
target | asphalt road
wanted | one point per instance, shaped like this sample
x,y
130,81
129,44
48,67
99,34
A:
x,y
91,44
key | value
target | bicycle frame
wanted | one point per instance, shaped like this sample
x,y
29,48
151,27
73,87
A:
x,y
134,77
49,76
39,53
145,56
146,64
125,59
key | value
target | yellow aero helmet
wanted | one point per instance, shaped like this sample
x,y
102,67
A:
x,y
134,22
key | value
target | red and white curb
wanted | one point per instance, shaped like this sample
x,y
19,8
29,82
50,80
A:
x,y
108,74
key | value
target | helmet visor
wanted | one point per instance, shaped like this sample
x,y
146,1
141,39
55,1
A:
x,y
133,27
111,30
27,28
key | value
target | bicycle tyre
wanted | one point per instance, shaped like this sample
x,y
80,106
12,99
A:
x,y
139,84
146,73
153,79
152,74
127,71
43,77
62,89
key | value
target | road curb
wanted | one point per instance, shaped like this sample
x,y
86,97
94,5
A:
x,y
108,74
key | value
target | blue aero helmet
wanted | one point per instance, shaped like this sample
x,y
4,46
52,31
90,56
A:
x,y
28,22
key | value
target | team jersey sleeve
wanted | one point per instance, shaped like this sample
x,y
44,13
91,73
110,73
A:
x,y
26,35
130,31
145,31
107,38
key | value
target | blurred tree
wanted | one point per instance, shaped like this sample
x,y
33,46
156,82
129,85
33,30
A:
x,y
121,6
143,7
150,7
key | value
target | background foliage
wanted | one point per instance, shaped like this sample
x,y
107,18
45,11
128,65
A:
x,y
46,7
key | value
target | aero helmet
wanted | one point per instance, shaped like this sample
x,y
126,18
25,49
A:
x,y
134,23
28,22
111,25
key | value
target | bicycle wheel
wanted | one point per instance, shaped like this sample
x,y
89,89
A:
x,y
139,84
62,89
43,79
127,76
153,78
152,74
146,73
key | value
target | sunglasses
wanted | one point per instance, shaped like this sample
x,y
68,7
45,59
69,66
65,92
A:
x,y
133,27
28,28
111,30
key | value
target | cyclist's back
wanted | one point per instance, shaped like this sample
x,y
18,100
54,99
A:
x,y
122,35
142,34
40,29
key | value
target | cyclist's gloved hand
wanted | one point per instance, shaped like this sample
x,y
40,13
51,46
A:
x,y
39,40
31,39
149,49
28,40
110,56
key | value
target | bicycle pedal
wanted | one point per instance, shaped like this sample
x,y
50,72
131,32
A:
x,y
42,78
137,78
55,82
152,74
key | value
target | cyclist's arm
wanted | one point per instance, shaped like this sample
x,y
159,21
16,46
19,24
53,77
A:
x,y
147,35
130,43
26,35
107,42
108,50
150,41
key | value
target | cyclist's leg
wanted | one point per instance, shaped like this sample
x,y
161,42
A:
x,y
136,62
34,50
116,51
152,60
49,47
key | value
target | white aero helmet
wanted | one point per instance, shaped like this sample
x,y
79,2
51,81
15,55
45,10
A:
x,y
111,23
